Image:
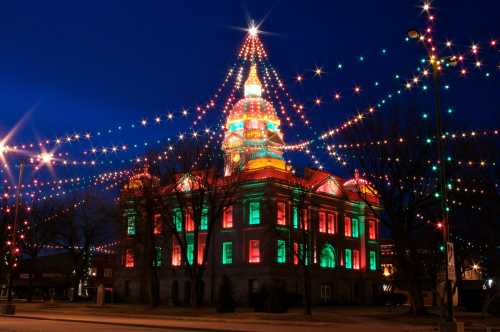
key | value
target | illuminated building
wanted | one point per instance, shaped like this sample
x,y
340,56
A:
x,y
259,238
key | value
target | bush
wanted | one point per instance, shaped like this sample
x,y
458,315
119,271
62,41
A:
x,y
225,299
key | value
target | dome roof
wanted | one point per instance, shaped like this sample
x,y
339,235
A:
x,y
358,184
253,108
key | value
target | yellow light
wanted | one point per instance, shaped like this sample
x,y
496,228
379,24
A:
x,y
318,71
475,267
3,148
46,158
426,7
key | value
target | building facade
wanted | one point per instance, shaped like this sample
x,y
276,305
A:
x,y
275,227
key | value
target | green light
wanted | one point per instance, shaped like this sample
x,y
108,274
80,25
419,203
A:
x,y
436,195
348,258
373,260
450,186
339,66
396,76
281,252
361,58
446,87
425,115
441,248
377,83
434,168
424,88
448,158
450,110
227,252
428,141
355,228
407,39
422,60
384,51
487,74
447,209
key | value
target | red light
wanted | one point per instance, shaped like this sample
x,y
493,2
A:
x,y
439,225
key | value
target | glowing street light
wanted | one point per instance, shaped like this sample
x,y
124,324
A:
x,y
253,29
46,157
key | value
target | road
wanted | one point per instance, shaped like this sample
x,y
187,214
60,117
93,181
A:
x,y
35,325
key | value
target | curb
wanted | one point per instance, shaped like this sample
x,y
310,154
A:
x,y
184,328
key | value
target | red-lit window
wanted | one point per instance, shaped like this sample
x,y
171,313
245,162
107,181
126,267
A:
x,y
157,224
295,253
347,226
176,254
372,229
355,259
189,221
254,251
201,251
305,219
281,217
227,218
129,258
322,222
331,223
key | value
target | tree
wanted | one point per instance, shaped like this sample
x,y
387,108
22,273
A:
x,y
402,174
192,202
37,232
84,227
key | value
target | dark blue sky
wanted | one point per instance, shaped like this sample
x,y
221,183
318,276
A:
x,y
90,65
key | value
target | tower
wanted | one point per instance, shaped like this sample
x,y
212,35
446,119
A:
x,y
253,138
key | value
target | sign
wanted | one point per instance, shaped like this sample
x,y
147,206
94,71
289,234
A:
x,y
450,256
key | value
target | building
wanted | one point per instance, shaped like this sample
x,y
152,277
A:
x,y
259,237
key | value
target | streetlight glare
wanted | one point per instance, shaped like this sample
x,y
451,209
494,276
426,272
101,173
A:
x,y
46,158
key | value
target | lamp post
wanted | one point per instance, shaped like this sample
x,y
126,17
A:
x,y
436,64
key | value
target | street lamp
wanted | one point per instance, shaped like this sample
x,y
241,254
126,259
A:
x,y
436,64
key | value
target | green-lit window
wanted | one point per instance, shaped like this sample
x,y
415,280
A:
x,y
204,219
327,258
373,260
281,252
254,215
304,256
158,257
355,227
130,216
348,258
178,219
295,217
227,253
190,248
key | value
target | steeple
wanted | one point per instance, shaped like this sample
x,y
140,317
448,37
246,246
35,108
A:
x,y
253,87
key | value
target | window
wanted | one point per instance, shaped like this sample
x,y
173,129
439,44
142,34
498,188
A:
x,y
177,214
281,252
254,251
189,221
322,222
157,258
372,230
331,223
373,260
204,219
190,248
295,217
227,219
295,253
347,227
108,272
326,293
157,224
254,215
129,258
201,251
348,258
355,227
176,255
130,217
281,217
227,252
305,219
355,259
327,258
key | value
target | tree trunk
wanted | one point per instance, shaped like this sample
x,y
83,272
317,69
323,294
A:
x,y
195,287
155,289
416,297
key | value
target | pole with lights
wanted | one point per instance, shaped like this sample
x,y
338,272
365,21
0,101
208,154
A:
x,y
436,65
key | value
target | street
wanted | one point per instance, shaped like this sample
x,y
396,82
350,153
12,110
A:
x,y
35,325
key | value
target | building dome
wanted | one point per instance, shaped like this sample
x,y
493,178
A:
x,y
253,138
359,184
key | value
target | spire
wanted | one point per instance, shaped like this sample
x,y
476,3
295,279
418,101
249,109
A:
x,y
253,87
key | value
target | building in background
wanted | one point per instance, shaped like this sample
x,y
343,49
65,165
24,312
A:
x,y
258,238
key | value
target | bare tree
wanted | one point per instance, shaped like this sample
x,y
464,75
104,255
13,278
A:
x,y
401,175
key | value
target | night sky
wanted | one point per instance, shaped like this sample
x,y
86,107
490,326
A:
x,y
92,65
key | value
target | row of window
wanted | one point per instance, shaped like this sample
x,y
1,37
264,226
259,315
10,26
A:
x,y
328,221
328,257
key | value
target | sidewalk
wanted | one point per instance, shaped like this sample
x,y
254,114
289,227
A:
x,y
324,319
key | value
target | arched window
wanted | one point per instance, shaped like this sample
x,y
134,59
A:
x,y
327,259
